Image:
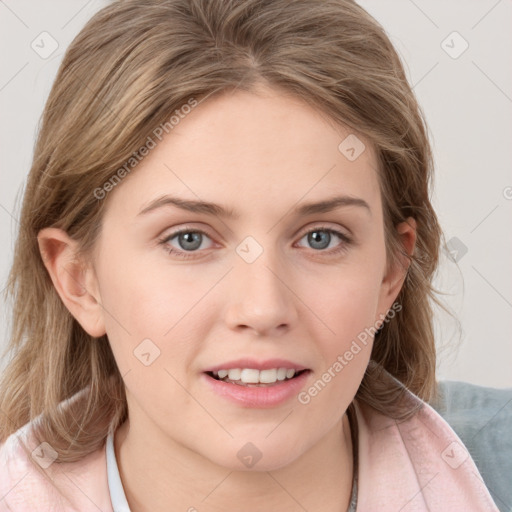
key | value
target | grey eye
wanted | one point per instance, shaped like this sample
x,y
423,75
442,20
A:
x,y
319,239
189,240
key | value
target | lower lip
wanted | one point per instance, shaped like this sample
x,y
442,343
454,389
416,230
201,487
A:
x,y
258,397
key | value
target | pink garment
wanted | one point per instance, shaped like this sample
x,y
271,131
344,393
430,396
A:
x,y
418,465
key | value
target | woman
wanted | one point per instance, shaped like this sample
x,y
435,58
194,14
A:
x,y
222,281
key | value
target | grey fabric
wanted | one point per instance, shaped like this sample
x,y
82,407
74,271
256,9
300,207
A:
x,y
482,418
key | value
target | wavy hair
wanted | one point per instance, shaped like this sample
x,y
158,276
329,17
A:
x,y
128,70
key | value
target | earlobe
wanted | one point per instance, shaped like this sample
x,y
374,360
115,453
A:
x,y
73,280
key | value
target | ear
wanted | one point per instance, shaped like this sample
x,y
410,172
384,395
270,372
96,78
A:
x,y
74,280
396,274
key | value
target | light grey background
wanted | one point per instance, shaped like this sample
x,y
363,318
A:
x,y
467,100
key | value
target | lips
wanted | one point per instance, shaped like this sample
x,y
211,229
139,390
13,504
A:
x,y
253,383
257,395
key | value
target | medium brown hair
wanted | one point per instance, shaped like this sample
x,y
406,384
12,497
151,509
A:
x,y
133,65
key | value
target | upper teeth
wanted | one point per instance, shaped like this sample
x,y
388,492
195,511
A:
x,y
252,376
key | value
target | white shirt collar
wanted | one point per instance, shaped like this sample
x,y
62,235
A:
x,y
117,496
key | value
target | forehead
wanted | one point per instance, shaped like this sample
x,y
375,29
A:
x,y
244,150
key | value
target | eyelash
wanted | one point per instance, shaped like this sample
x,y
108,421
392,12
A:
x,y
346,241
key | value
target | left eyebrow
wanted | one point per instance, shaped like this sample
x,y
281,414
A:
x,y
213,209
332,204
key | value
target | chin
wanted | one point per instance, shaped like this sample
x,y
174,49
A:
x,y
256,456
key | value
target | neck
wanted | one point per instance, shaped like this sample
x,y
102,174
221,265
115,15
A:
x,y
176,478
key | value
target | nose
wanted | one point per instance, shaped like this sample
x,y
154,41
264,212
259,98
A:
x,y
261,297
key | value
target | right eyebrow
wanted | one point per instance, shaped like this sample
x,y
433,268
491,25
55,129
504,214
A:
x,y
190,206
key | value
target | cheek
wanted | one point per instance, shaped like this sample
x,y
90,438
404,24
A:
x,y
154,313
348,311
148,326
347,302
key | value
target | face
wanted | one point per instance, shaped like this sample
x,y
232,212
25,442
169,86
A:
x,y
266,280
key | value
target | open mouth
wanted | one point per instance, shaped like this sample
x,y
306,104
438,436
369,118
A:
x,y
255,378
